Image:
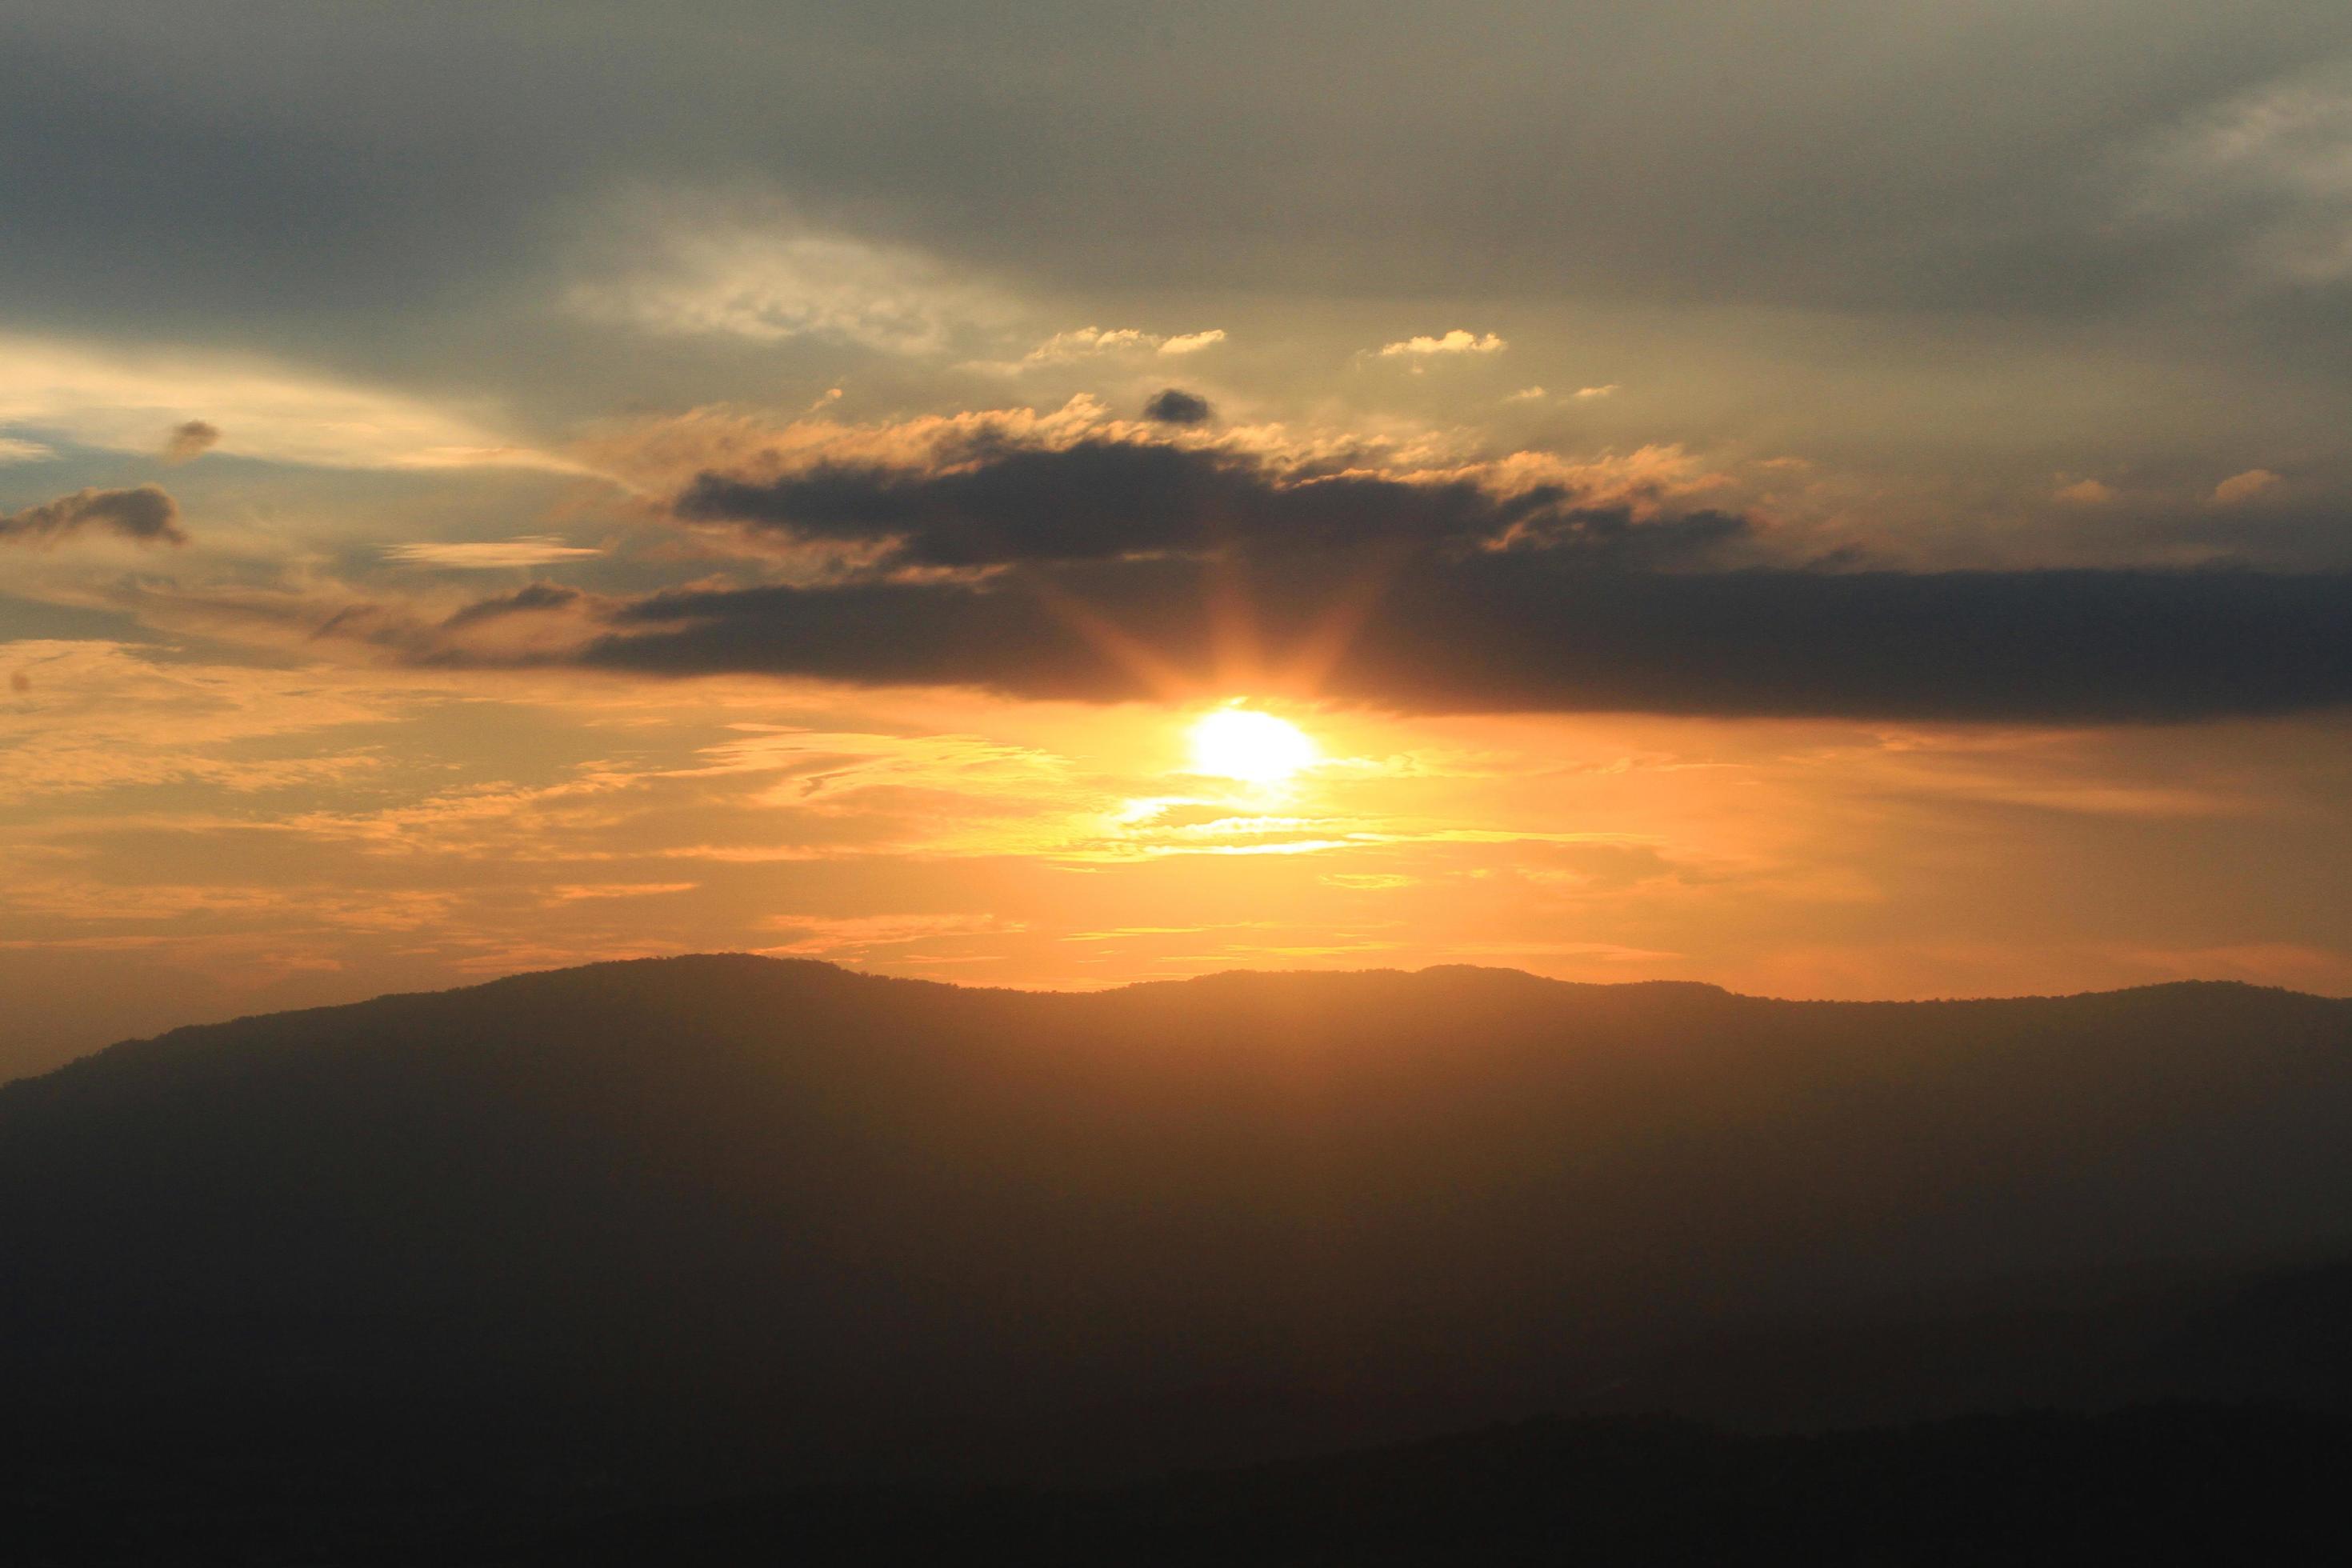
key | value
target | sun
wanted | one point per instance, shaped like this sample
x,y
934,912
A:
x,y
1252,747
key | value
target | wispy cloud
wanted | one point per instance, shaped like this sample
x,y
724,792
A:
x,y
85,715
2273,164
117,399
490,555
694,268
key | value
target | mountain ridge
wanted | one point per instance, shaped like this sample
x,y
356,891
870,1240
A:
x,y
1209,983
855,1224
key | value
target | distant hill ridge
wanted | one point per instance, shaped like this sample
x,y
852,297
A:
x,y
735,966
862,1224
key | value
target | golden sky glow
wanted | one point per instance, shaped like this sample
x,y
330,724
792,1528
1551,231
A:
x,y
220,838
1225,535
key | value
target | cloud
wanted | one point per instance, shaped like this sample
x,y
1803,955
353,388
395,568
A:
x,y
15,451
1608,391
99,715
1103,569
490,555
145,515
1526,394
1493,632
1100,497
1174,406
1456,341
191,439
114,398
1086,342
1063,347
522,600
1193,343
2267,168
694,268
2084,492
2243,486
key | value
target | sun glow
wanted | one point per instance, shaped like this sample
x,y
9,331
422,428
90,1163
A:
x,y
1252,747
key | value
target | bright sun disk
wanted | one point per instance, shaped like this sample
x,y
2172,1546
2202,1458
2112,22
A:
x,y
1255,748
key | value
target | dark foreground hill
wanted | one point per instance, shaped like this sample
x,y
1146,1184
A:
x,y
724,1223
2172,1484
2181,1483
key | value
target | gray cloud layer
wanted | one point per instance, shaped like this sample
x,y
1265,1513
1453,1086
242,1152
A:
x,y
2027,201
1485,634
1113,567
1840,152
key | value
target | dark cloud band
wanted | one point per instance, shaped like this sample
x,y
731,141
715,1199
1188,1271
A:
x,y
1505,633
1106,499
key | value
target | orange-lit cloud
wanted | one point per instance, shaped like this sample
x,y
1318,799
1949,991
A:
x,y
1456,341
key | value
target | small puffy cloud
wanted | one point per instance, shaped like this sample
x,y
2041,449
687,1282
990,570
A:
x,y
191,440
146,515
489,556
14,451
1193,343
1173,407
2085,492
1526,394
1456,341
1084,343
1609,390
1063,347
2243,486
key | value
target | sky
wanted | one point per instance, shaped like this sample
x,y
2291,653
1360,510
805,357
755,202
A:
x,y
1831,499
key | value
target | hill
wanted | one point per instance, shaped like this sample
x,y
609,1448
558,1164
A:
x,y
715,1221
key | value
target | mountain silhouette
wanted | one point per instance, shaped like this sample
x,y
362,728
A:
x,y
755,1218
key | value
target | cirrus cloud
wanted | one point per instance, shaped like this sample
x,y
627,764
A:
x,y
489,554
697,269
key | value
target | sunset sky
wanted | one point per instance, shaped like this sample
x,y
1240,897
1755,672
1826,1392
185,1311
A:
x,y
1835,499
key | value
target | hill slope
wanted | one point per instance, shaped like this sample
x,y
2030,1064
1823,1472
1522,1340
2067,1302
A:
x,y
851,1224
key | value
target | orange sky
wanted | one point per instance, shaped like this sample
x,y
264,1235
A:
x,y
205,839
1823,500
